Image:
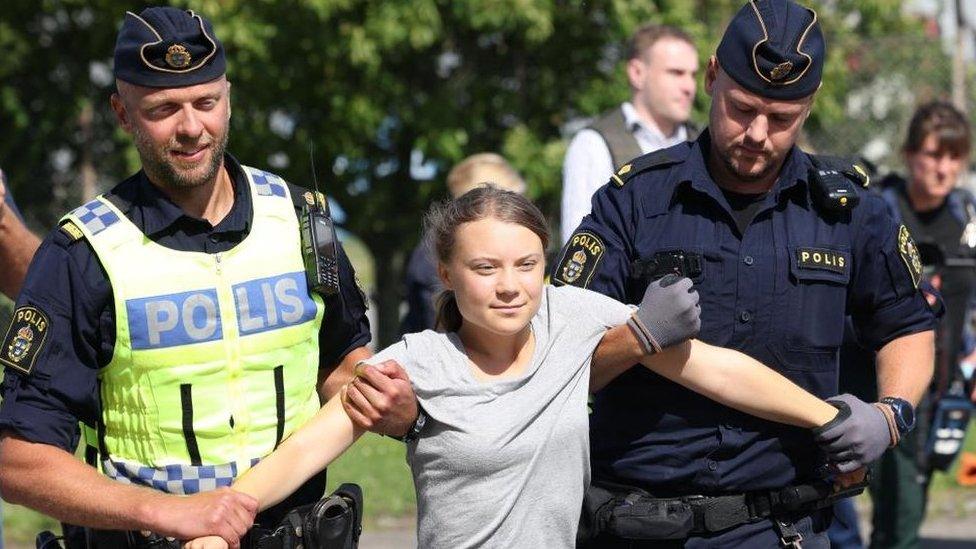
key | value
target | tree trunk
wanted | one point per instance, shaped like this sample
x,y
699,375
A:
x,y
389,263
86,167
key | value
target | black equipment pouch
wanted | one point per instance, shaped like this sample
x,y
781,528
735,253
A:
x,y
333,522
677,262
950,419
595,516
642,517
319,246
630,513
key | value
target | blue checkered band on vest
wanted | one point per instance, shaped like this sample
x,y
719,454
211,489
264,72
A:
x,y
96,216
174,479
267,184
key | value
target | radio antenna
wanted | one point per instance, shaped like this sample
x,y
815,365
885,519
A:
x,y
315,180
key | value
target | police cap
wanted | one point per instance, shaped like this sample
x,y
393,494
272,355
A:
x,y
774,48
166,47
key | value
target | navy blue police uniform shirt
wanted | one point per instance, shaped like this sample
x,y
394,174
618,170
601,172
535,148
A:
x,y
779,292
67,282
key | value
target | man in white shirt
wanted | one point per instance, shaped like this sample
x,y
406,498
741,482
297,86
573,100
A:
x,y
662,65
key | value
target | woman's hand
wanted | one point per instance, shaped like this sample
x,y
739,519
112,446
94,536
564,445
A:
x,y
668,314
208,542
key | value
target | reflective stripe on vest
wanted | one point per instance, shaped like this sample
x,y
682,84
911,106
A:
x,y
216,355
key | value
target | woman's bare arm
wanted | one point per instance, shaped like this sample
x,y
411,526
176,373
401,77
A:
x,y
741,382
306,452
723,375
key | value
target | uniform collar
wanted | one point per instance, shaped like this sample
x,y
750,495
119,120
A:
x,y
694,171
154,213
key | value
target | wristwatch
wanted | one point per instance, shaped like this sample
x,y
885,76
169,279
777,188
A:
x,y
904,414
418,425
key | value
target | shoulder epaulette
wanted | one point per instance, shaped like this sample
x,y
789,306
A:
x,y
301,196
852,168
71,230
649,161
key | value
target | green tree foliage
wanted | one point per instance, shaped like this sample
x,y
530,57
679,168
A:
x,y
391,93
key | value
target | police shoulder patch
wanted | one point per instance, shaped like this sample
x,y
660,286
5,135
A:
x,y
656,159
580,258
25,338
909,254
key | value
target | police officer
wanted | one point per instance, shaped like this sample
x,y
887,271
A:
x,y
171,316
780,247
942,215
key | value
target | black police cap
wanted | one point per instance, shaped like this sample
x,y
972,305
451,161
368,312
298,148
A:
x,y
774,48
165,47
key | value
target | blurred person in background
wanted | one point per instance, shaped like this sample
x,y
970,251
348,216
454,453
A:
x,y
420,280
17,247
662,65
941,214
17,243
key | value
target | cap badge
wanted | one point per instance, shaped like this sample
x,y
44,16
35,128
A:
x,y
780,71
178,57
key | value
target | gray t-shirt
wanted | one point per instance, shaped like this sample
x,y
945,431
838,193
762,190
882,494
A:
x,y
505,463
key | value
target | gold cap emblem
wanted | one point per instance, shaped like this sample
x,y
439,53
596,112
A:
x,y
178,57
780,71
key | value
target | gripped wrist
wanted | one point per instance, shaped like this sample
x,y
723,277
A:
x,y
843,413
643,335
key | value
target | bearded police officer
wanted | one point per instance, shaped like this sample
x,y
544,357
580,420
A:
x,y
172,316
781,246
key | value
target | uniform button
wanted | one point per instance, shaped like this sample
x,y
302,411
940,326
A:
x,y
712,465
745,316
748,260
214,238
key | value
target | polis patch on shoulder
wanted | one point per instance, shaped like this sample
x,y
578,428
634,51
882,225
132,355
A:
x,y
909,254
823,259
579,260
25,338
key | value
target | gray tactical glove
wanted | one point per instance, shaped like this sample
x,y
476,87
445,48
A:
x,y
668,314
856,437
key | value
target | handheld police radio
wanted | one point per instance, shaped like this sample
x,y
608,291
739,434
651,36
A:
x,y
319,248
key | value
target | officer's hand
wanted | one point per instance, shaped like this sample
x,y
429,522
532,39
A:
x,y
208,542
3,195
856,437
380,399
222,512
668,314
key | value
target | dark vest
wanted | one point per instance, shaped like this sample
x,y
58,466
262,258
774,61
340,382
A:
x,y
620,140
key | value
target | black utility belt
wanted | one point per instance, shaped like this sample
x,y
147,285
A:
x,y
333,522
627,512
